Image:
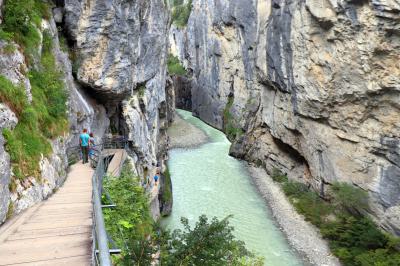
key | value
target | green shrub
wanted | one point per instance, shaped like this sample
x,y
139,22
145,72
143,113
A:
x,y
175,67
353,238
350,198
207,243
181,13
278,176
129,224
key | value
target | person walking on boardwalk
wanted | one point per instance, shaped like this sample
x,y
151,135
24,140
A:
x,y
91,145
84,143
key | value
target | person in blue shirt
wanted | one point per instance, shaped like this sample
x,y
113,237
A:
x,y
84,143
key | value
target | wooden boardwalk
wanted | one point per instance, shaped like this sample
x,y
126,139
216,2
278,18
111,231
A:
x,y
56,231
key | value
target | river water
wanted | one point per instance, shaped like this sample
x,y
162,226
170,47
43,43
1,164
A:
x,y
206,180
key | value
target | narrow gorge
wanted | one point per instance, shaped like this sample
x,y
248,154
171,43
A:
x,y
306,91
307,87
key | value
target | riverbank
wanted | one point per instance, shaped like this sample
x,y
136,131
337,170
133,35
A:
x,y
182,134
303,236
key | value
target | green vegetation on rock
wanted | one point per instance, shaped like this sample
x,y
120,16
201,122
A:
x,y
175,67
231,131
180,12
21,20
167,193
353,237
45,117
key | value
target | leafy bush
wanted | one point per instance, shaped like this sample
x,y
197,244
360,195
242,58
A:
x,y
175,67
129,224
353,238
208,243
350,198
181,12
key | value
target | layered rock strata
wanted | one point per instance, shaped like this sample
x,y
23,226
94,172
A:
x,y
313,85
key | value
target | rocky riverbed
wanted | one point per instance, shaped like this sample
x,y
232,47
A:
x,y
185,135
303,236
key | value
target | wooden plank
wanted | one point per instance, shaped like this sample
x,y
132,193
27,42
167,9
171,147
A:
x,y
14,255
51,232
54,224
56,232
71,261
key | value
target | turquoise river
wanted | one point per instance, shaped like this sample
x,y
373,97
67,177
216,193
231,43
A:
x,y
206,180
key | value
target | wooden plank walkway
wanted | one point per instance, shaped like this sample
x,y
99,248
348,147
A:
x,y
56,231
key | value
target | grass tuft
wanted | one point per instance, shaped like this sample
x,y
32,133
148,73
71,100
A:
x,y
45,118
231,131
181,12
175,67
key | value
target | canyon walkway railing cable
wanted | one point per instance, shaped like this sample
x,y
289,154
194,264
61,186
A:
x,y
100,160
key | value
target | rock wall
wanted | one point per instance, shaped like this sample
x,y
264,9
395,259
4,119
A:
x,y
82,113
121,49
115,75
314,85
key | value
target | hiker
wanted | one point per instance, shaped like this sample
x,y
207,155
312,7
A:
x,y
155,180
156,177
84,143
91,145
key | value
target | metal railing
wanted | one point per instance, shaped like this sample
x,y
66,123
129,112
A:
x,y
100,161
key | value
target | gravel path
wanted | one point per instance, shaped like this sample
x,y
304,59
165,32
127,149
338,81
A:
x,y
303,236
185,135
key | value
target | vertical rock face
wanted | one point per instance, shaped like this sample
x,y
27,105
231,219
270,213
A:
x,y
314,85
8,120
121,46
115,83
121,58
82,113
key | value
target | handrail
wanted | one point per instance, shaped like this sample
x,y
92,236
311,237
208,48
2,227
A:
x,y
100,249
100,236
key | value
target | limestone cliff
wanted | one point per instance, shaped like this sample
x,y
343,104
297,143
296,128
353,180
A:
x,y
309,87
113,68
121,54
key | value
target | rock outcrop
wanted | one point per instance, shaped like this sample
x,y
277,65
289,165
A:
x,y
115,74
121,50
82,113
313,85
